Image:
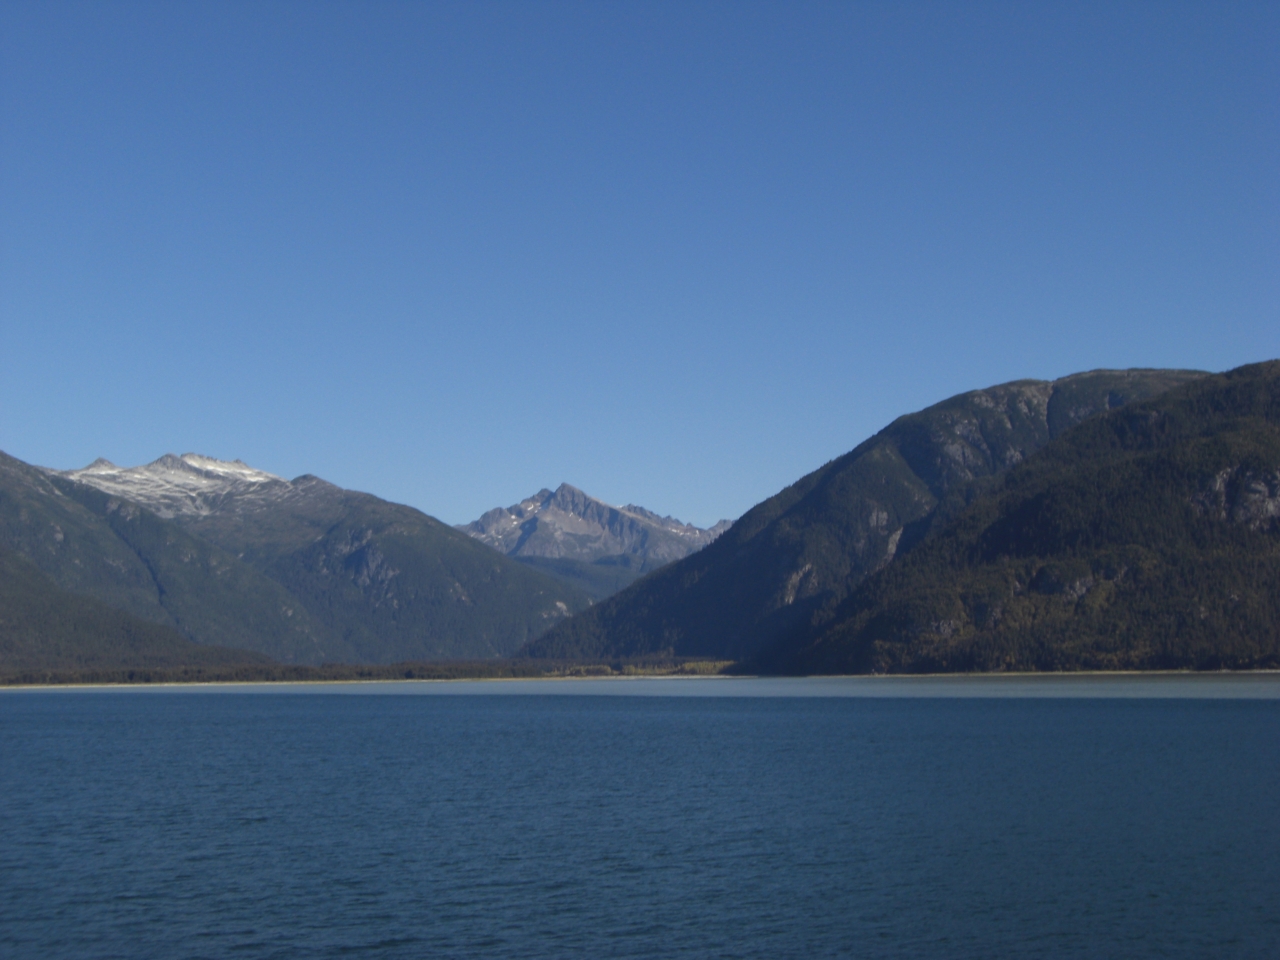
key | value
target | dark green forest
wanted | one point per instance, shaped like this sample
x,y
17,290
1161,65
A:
x,y
44,629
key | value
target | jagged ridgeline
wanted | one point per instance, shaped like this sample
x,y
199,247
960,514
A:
x,y
302,571
1148,538
594,546
802,551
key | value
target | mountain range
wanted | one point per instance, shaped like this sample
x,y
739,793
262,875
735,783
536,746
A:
x,y
1107,520
586,542
302,571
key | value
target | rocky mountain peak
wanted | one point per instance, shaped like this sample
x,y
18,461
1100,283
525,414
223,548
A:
x,y
570,499
568,523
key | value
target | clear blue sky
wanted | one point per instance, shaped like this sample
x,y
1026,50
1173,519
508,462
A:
x,y
675,254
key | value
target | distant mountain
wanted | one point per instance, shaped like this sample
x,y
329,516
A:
x,y
301,570
585,541
1145,538
803,550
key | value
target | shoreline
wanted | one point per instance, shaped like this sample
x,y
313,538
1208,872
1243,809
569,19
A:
x,y
1108,683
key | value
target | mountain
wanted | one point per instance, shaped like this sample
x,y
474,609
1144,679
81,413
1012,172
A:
x,y
1145,538
383,582
585,541
804,549
300,570
124,555
44,628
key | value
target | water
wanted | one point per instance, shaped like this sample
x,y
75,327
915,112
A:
x,y
715,819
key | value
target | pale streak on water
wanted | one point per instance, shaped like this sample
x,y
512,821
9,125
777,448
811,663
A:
x,y
1058,816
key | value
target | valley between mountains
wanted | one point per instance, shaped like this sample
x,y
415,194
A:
x,y
1111,519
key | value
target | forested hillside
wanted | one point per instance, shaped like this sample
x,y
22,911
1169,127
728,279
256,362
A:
x,y
44,628
1148,538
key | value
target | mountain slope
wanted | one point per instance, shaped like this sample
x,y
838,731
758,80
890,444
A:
x,y
378,582
70,544
104,547
1147,538
209,594
804,549
585,541
44,628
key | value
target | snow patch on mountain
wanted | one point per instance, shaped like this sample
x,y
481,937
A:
x,y
187,485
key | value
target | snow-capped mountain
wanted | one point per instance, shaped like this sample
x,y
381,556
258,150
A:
x,y
185,486
569,524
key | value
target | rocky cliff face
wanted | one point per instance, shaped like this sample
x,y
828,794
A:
x,y
569,524
1242,495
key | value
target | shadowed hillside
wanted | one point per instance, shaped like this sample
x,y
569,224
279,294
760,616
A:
x,y
44,628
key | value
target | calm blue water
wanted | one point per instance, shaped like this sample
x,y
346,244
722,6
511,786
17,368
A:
x,y
303,824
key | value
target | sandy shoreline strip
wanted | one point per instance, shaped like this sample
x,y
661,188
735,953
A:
x,y
1262,684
